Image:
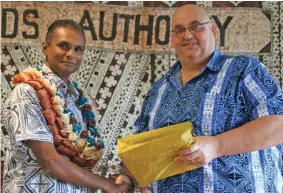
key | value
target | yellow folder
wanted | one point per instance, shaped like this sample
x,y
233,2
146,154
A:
x,y
151,155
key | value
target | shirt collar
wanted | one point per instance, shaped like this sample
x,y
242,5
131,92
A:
x,y
213,64
61,85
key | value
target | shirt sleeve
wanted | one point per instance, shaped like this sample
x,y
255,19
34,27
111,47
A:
x,y
24,117
141,123
263,94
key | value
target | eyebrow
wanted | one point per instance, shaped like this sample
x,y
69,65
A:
x,y
178,26
195,22
66,42
191,23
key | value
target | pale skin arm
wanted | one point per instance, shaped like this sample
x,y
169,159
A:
x,y
59,167
258,134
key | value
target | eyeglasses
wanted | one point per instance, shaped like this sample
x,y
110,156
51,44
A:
x,y
194,28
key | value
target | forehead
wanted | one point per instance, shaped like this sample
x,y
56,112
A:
x,y
67,34
187,16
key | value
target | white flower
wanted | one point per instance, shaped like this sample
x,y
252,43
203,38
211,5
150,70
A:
x,y
72,136
54,89
68,128
110,81
65,118
115,70
38,74
5,58
80,143
101,104
47,83
58,100
60,108
120,59
10,70
105,92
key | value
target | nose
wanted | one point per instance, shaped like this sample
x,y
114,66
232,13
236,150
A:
x,y
188,34
70,53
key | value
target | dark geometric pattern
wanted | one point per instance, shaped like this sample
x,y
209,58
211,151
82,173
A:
x,y
227,94
120,80
26,121
39,182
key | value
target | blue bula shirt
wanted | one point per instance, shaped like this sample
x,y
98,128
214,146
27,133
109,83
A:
x,y
228,93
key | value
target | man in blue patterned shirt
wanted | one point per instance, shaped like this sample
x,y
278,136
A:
x,y
236,108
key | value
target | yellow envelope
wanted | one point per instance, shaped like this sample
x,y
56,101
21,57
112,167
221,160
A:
x,y
151,155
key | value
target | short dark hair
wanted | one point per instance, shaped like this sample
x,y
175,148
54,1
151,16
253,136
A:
x,y
63,23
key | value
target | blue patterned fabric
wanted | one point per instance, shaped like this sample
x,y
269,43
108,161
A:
x,y
229,92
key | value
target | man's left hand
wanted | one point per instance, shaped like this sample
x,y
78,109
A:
x,y
201,153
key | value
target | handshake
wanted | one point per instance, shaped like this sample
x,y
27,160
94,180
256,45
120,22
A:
x,y
123,184
154,155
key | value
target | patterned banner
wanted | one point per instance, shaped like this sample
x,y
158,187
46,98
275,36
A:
x,y
118,70
239,30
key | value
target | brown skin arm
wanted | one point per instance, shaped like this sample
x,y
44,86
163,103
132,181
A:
x,y
59,167
258,134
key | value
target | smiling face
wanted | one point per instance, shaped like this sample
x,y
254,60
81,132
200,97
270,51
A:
x,y
64,52
199,42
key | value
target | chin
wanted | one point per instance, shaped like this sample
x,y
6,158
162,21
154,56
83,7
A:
x,y
192,55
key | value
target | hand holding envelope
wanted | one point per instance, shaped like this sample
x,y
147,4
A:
x,y
151,155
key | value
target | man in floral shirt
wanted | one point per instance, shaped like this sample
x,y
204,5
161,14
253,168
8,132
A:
x,y
32,163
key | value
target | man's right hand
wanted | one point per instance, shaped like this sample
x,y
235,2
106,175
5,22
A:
x,y
117,188
125,181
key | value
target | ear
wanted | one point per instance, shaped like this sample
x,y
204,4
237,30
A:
x,y
173,41
44,48
213,28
